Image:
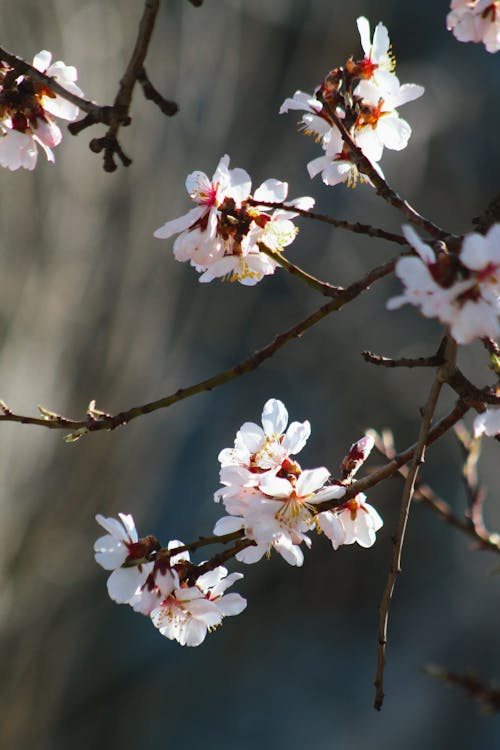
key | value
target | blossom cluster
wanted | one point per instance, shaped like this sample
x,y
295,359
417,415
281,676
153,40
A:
x,y
461,289
222,236
364,94
275,502
28,109
272,503
476,21
161,589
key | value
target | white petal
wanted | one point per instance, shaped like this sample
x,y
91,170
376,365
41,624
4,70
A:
x,y
296,436
271,191
42,61
311,480
181,224
227,525
274,417
231,604
364,32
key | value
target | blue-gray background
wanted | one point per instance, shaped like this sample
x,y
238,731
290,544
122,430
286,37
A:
x,y
91,306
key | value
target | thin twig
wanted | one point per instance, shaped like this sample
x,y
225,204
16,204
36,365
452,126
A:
x,y
410,362
395,569
487,695
383,189
384,472
426,495
356,227
118,114
55,421
327,290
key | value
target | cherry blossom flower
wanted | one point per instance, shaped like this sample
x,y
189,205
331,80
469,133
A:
x,y
462,292
476,21
221,237
119,545
27,111
161,581
187,612
280,514
358,453
487,423
257,451
370,110
378,64
360,521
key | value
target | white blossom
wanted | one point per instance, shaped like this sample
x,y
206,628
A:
x,y
470,303
476,21
187,612
27,112
360,521
221,236
113,550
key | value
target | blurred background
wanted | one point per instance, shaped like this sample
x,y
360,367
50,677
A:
x,y
92,306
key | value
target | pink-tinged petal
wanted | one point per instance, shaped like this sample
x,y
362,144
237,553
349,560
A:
x,y
251,436
364,33
194,633
129,526
252,554
219,588
48,133
65,74
475,252
394,132
291,553
332,527
112,526
17,150
317,165
301,101
199,187
42,61
60,107
381,42
208,580
296,436
475,320
271,191
180,556
167,581
425,252
331,492
365,534
231,604
274,417
339,171
179,225
219,269
311,480
124,582
109,552
240,186
206,611
227,525
369,142
408,93
275,487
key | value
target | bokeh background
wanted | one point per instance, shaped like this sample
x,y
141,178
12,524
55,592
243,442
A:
x,y
91,306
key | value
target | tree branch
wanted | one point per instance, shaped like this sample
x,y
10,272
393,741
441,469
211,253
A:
x,y
408,490
381,186
356,227
97,420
